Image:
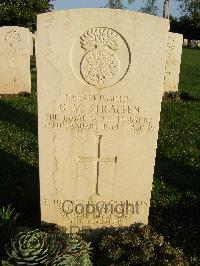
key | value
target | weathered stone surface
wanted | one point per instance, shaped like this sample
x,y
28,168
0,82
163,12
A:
x,y
31,42
173,61
99,96
15,60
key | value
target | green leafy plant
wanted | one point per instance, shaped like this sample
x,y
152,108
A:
x,y
64,260
52,247
139,245
7,215
76,246
8,226
167,255
83,260
76,253
32,248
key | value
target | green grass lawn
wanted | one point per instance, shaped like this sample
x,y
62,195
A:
x,y
19,170
190,72
175,208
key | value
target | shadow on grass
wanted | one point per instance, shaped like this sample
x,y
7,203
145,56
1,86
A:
x,y
20,187
182,177
178,219
179,224
21,119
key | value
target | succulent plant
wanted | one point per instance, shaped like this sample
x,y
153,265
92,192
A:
x,y
32,248
76,252
84,260
76,246
52,248
64,261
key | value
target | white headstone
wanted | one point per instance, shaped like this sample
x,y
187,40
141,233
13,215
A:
x,y
193,43
173,61
14,60
185,42
99,97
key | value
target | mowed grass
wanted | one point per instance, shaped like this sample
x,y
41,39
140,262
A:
x,y
175,208
19,171
190,72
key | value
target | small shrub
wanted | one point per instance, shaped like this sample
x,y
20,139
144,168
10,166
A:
x,y
7,216
167,255
64,260
171,96
67,260
76,246
84,260
35,247
139,245
32,248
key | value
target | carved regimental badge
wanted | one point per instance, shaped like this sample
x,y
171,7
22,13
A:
x,y
170,50
13,38
170,44
104,57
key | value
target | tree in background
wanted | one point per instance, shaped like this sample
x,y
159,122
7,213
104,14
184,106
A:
x,y
166,9
184,25
189,23
117,4
22,12
191,9
150,7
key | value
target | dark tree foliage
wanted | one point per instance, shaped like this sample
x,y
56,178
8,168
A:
x,y
185,25
115,4
150,7
22,12
118,4
191,9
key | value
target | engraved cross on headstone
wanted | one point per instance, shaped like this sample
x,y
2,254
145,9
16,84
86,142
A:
x,y
96,160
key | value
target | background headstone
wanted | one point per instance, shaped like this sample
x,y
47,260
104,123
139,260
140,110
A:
x,y
31,43
173,61
35,48
185,42
99,100
15,60
193,43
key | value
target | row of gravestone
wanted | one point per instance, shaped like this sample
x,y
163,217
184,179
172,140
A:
x,y
192,43
15,60
100,79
